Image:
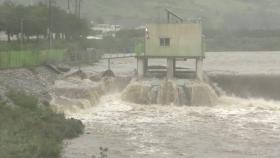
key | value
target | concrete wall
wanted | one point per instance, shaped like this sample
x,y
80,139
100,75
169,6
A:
x,y
185,40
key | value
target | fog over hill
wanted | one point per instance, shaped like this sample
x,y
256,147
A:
x,y
225,14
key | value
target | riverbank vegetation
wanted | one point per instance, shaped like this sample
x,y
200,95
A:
x,y
31,130
37,34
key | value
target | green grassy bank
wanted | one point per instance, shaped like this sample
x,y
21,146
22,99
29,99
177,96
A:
x,y
30,131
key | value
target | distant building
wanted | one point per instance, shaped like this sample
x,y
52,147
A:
x,y
141,27
3,36
104,28
97,37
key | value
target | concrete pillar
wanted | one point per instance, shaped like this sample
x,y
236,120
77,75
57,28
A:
x,y
174,66
109,64
146,65
199,69
170,68
140,67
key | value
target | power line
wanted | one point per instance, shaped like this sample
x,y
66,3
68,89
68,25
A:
x,y
76,7
50,24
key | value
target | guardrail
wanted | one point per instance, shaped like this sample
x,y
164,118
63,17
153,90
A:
x,y
115,56
17,59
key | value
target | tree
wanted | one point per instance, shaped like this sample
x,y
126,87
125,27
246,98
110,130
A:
x,y
76,27
9,19
33,21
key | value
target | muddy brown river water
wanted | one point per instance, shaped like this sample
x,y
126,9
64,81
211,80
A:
x,y
235,128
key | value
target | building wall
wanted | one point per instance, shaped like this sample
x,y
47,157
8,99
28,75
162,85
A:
x,y
3,36
106,28
185,40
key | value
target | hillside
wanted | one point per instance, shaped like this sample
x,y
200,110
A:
x,y
229,14
260,14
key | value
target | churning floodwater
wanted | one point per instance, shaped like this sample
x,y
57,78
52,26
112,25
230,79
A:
x,y
242,124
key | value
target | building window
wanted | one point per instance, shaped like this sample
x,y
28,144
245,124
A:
x,y
165,42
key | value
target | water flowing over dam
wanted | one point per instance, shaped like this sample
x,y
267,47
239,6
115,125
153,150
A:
x,y
164,92
149,118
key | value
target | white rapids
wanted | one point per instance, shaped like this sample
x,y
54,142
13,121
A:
x,y
234,128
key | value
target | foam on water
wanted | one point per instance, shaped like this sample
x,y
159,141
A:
x,y
154,130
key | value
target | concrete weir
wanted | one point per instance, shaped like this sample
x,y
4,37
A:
x,y
166,92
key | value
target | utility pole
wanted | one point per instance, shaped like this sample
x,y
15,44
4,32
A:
x,y
21,31
76,7
68,6
168,17
79,13
50,25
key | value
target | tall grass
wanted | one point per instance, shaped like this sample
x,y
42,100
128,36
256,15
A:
x,y
30,131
